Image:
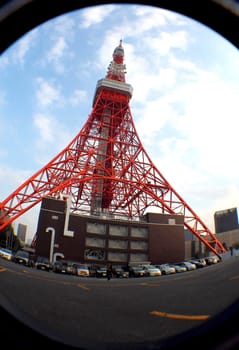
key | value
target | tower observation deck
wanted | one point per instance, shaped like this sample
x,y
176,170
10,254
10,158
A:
x,y
105,169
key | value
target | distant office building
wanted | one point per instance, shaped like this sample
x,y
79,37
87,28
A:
x,y
21,232
226,220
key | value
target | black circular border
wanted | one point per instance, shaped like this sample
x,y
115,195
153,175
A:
x,y
19,16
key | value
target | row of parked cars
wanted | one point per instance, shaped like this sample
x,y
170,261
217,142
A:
x,y
84,270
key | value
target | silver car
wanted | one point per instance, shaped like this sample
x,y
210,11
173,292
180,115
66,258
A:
x,y
189,266
166,269
212,259
180,268
6,253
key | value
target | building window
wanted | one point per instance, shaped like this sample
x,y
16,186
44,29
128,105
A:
x,y
54,217
121,257
95,242
171,221
140,245
134,257
141,232
95,227
118,244
117,230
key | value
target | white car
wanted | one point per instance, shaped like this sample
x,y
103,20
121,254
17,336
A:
x,y
166,269
152,271
199,262
6,253
189,266
83,271
212,259
179,268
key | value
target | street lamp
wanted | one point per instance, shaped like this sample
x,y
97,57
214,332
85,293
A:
x,y
52,230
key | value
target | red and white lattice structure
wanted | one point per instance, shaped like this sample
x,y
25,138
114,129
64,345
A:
x,y
105,169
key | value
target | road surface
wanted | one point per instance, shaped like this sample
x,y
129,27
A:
x,y
94,313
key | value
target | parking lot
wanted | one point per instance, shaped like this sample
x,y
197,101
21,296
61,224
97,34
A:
x,y
109,271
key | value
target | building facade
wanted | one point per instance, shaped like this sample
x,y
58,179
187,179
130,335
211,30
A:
x,y
230,238
155,238
22,232
226,220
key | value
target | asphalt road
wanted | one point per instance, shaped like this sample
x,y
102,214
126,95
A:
x,y
94,313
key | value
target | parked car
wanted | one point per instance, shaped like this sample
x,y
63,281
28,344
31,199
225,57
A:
x,y
58,267
23,257
43,263
83,271
212,259
152,271
72,267
135,271
179,268
199,262
92,270
101,272
6,253
189,266
166,269
202,261
62,266
119,272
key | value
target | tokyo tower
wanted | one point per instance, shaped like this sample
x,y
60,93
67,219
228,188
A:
x,y
105,169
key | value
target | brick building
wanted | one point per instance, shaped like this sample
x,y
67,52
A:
x,y
155,237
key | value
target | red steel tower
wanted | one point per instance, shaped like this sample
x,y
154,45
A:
x,y
105,169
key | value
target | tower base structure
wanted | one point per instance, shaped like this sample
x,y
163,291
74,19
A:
x,y
154,238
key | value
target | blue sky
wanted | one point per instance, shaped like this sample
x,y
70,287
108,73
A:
x,y
185,102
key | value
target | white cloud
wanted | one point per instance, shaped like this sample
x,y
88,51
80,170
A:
x,y
182,64
167,41
51,137
77,97
24,45
202,113
4,61
47,93
12,179
148,18
56,53
161,17
94,15
45,127
58,38
151,118
65,26
209,118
